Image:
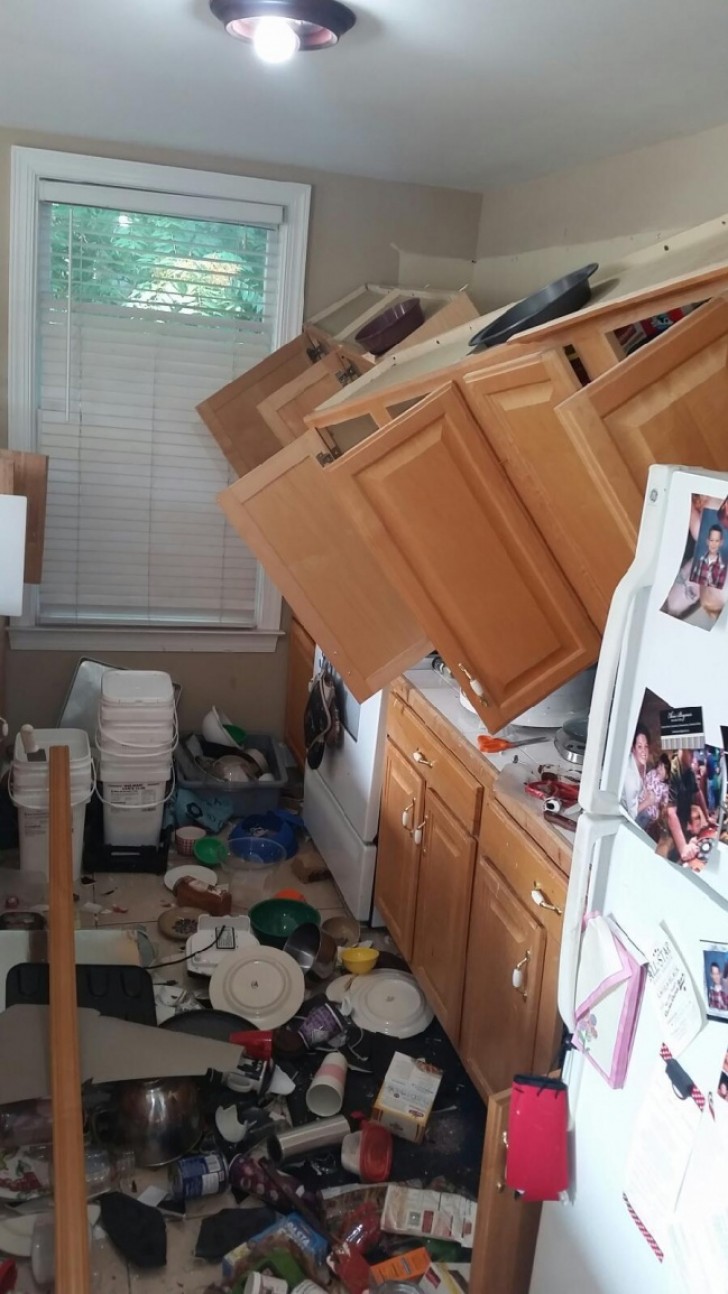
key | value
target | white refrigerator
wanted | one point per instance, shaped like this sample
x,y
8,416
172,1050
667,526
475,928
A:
x,y
650,859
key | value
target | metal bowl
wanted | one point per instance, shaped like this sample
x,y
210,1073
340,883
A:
x,y
313,949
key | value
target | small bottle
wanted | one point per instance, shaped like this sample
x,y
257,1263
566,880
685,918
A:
x,y
210,898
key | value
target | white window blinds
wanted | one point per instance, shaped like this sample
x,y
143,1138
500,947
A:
x,y
142,314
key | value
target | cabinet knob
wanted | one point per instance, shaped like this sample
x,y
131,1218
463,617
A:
x,y
418,831
476,687
419,758
518,976
406,815
539,898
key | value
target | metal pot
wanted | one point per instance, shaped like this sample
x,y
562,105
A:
x,y
160,1119
313,949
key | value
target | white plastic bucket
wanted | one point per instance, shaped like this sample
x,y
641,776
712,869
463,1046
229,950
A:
x,y
75,738
122,717
136,738
133,811
33,823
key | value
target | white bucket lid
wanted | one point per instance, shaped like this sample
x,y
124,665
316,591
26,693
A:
x,y
136,687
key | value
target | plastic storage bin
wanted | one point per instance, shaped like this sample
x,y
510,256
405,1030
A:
x,y
245,797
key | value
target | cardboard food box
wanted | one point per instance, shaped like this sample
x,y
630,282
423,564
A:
x,y
406,1097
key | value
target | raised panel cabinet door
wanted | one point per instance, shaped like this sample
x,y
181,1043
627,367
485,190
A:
x,y
284,411
506,1228
443,910
301,649
398,848
440,512
516,407
503,977
301,528
231,414
667,403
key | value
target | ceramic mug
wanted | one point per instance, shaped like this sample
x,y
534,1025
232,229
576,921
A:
x,y
325,1096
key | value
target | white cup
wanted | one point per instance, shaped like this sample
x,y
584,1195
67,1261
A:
x,y
325,1096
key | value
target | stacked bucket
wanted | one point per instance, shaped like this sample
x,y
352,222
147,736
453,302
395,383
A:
x,y
30,792
135,738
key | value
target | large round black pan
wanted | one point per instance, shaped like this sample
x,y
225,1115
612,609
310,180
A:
x,y
560,298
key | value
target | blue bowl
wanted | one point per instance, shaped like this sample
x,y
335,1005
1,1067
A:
x,y
266,826
258,849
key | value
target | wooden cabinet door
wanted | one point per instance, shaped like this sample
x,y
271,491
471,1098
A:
x,y
398,854
300,527
285,409
443,910
500,1019
667,403
301,648
231,414
506,1228
448,527
515,404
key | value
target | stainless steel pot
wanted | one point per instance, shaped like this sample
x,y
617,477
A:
x,y
160,1119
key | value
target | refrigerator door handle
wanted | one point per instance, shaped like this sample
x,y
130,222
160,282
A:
x,y
635,581
590,832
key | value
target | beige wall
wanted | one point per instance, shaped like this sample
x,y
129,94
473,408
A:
x,y
356,227
532,233
669,186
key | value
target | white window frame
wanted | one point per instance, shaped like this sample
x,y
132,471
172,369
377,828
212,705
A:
x,y
29,168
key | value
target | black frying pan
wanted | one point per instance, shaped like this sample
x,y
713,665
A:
x,y
560,298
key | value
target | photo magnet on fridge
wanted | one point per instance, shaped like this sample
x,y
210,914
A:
x,y
700,588
723,1080
673,784
715,980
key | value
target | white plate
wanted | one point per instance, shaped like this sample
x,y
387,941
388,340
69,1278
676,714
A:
x,y
198,873
337,990
389,1002
202,955
263,985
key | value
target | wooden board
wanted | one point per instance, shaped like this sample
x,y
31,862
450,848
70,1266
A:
x,y
301,648
72,1265
450,531
301,528
667,403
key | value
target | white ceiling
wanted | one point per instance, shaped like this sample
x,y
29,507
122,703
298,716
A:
x,y
467,93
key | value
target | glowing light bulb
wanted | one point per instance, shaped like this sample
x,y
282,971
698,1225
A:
x,y
275,41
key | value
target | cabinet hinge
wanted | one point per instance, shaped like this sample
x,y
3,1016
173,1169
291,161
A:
x,y
346,375
328,456
316,352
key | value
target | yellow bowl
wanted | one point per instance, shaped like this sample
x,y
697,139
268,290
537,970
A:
x,y
359,961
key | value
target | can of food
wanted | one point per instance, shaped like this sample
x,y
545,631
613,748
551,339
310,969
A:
x,y
198,1175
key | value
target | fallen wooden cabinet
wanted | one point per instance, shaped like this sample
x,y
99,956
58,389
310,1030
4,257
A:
x,y
667,403
437,508
285,409
232,414
301,527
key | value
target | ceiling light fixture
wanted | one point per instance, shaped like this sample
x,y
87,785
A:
x,y
277,29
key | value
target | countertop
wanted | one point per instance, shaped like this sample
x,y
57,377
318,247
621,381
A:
x,y
437,702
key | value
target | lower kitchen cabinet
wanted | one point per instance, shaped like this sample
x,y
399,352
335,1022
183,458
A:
x,y
506,1228
442,912
398,853
503,978
301,648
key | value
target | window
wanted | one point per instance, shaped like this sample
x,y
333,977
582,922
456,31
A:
x,y
137,292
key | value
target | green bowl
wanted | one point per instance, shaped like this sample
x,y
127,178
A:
x,y
273,920
210,851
